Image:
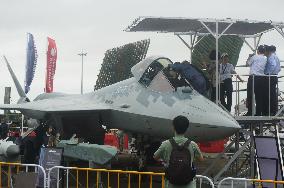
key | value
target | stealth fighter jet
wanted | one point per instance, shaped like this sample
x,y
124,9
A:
x,y
143,105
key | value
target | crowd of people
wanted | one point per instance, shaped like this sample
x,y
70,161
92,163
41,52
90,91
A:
x,y
261,85
263,80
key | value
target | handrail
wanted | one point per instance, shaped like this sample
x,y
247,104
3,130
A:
x,y
99,171
275,182
9,164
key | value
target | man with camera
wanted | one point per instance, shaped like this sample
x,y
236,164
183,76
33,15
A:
x,y
256,79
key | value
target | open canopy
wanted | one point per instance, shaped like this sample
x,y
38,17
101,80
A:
x,y
203,26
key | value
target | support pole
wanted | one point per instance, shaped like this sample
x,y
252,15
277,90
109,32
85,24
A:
x,y
217,36
258,40
279,146
280,30
82,69
233,158
190,47
22,125
246,42
251,152
237,147
217,158
217,64
269,82
253,97
193,42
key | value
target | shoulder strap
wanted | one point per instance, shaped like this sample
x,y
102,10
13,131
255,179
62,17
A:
x,y
173,143
186,144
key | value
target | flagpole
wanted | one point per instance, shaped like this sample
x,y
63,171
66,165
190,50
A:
x,y
46,68
27,48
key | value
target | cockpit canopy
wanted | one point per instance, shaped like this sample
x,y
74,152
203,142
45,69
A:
x,y
153,73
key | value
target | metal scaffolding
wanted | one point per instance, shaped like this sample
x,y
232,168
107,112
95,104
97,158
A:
x,y
197,29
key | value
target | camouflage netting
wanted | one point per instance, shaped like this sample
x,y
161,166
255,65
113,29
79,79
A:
x,y
229,44
117,62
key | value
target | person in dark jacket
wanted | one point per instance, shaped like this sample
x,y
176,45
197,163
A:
x,y
211,69
175,79
192,75
4,129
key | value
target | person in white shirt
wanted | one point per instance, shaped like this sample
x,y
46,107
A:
x,y
272,69
256,79
226,86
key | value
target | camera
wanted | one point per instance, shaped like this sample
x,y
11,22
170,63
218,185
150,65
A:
x,y
250,55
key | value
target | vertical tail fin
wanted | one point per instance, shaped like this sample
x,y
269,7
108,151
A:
x,y
23,97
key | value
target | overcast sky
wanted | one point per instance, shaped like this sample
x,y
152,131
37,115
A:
x,y
96,26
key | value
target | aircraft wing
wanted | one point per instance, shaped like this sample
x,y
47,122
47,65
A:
x,y
38,109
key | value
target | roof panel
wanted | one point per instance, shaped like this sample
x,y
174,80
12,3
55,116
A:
x,y
166,25
183,25
245,28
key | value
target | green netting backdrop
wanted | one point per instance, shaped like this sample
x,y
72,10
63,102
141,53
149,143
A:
x,y
117,62
229,44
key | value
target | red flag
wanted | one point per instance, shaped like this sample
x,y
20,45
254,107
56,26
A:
x,y
51,55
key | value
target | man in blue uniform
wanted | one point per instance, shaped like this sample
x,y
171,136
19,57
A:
x,y
272,69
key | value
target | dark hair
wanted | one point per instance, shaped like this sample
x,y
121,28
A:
x,y
272,48
212,55
261,49
185,62
266,48
180,124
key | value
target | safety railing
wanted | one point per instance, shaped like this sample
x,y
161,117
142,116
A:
x,y
11,169
105,177
268,81
246,182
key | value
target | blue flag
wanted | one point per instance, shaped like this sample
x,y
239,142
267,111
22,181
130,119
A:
x,y
31,62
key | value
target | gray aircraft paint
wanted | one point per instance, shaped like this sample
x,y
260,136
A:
x,y
130,106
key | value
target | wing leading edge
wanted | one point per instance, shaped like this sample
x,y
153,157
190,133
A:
x,y
39,109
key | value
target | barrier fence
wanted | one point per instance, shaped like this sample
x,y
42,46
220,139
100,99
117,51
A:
x,y
246,182
112,178
8,170
104,177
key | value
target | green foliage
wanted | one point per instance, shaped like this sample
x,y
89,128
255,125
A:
x,y
117,62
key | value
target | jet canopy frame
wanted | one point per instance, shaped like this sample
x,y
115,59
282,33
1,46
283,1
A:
x,y
197,28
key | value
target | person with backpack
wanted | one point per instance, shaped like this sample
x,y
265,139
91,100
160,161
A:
x,y
178,154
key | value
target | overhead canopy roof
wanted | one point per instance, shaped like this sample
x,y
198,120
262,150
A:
x,y
190,25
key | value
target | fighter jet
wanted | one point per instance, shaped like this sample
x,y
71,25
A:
x,y
143,105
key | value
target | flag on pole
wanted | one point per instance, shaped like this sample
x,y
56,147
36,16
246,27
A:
x,y
51,64
31,62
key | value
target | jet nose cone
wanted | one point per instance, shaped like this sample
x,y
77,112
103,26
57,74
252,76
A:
x,y
13,151
230,123
209,121
225,123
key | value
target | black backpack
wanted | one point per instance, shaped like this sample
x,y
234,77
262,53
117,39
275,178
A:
x,y
180,171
